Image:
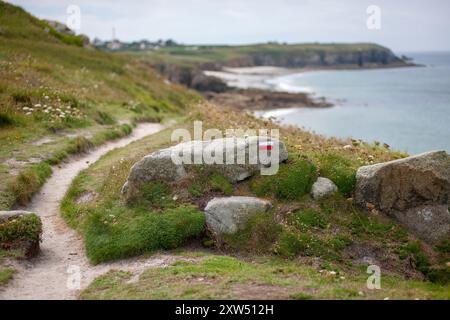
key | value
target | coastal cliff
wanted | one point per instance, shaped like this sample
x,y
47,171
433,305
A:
x,y
179,66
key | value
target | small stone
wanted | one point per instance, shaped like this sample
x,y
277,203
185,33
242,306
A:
x,y
322,188
228,215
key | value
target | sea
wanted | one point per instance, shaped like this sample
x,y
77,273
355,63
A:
x,y
407,108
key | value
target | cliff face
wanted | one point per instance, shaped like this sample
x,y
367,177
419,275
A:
x,y
319,58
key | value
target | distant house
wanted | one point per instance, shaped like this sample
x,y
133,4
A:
x,y
114,45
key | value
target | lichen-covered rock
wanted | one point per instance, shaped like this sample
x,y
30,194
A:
x,y
403,188
228,215
430,222
322,188
235,158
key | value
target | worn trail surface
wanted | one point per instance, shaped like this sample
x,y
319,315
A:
x,y
52,274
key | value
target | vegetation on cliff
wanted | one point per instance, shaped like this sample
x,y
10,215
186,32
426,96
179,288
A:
x,y
57,99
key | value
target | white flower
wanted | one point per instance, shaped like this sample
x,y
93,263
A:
x,y
38,105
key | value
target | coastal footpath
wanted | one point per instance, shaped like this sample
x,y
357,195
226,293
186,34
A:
x,y
140,226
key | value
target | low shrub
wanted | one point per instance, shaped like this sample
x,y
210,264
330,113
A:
x,y
339,170
293,180
25,228
107,238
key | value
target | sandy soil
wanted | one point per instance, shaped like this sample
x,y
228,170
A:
x,y
53,273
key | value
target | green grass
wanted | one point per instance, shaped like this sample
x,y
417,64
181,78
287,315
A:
x,y
113,229
340,170
292,181
114,236
6,274
51,87
224,277
28,182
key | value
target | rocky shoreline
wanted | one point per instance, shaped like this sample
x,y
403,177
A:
x,y
262,100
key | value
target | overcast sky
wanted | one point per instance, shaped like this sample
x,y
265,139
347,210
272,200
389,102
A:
x,y
406,25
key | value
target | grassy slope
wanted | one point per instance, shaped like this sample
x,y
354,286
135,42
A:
x,y
315,234
57,98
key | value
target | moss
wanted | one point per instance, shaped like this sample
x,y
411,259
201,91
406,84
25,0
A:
x,y
292,181
340,170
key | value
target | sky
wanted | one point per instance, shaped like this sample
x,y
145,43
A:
x,y
405,25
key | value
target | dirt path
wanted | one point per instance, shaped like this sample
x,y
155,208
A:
x,y
62,250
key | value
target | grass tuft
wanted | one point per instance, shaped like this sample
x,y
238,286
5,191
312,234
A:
x,y
107,237
293,180
339,170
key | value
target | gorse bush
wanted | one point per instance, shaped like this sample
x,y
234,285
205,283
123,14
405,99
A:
x,y
109,238
339,170
293,180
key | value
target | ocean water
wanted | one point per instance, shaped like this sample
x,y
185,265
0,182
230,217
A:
x,y
408,108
